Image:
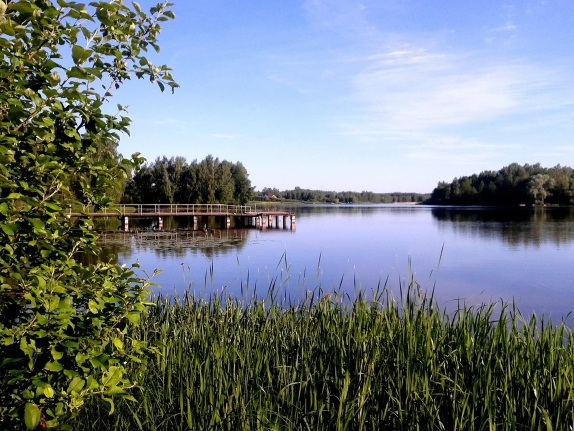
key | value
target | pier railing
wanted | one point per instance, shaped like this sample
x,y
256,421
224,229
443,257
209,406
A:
x,y
190,209
247,214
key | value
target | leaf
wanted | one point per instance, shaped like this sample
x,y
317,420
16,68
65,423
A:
x,y
112,406
85,32
6,28
54,366
134,317
49,392
118,343
93,306
94,71
53,206
55,354
112,377
100,360
37,223
77,72
92,383
129,398
31,416
8,229
76,385
114,390
22,7
79,54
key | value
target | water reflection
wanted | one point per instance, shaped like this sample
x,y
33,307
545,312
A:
x,y
176,243
353,210
515,227
108,254
524,254
104,224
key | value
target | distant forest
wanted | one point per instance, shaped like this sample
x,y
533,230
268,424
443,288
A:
x,y
512,185
174,180
307,195
211,181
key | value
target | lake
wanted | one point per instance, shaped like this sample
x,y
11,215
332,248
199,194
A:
x,y
471,254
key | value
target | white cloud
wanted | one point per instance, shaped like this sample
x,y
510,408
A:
x,y
416,90
402,91
423,96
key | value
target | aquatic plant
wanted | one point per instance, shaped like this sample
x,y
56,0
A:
x,y
330,362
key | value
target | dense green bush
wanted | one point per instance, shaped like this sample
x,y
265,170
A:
x,y
62,323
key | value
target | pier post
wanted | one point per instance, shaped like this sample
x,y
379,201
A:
x,y
292,221
228,222
257,222
126,223
284,222
264,222
276,222
270,220
194,222
160,223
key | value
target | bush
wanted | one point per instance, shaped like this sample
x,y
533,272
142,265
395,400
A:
x,y
63,324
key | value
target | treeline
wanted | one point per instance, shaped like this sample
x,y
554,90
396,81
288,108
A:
x,y
174,180
512,185
307,195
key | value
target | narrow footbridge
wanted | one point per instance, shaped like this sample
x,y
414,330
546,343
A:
x,y
249,215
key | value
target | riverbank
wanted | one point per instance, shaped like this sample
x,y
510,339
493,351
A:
x,y
327,364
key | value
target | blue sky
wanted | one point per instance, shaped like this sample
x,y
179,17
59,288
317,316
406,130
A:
x,y
386,95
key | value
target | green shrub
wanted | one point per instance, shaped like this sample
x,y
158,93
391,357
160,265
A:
x,y
62,323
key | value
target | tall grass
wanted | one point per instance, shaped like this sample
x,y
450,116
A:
x,y
331,363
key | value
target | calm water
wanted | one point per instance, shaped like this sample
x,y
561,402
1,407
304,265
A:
x,y
526,255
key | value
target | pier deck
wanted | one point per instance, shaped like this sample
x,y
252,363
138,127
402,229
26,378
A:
x,y
257,217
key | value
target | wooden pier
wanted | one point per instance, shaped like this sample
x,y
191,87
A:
x,y
250,216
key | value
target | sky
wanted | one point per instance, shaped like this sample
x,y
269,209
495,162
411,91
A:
x,y
345,95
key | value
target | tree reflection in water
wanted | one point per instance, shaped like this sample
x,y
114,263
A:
x,y
515,227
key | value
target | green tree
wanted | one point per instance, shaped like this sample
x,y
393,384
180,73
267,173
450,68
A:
x,y
187,191
225,186
538,187
206,178
63,324
243,189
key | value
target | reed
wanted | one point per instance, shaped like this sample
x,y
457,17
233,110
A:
x,y
332,363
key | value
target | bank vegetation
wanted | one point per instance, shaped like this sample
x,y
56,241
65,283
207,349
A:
x,y
512,185
328,363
